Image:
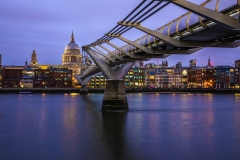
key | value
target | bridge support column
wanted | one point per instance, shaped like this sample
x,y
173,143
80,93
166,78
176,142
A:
x,y
115,96
83,89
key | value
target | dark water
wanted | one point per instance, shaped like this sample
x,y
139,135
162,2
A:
x,y
158,126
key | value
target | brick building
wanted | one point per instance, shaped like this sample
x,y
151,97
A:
x,y
24,77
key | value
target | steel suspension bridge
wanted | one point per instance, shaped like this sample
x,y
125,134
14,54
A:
x,y
214,23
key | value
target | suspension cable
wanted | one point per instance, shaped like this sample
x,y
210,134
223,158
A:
x,y
155,12
148,11
141,11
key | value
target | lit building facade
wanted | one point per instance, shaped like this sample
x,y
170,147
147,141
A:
x,y
135,78
225,77
201,77
166,77
97,82
20,77
11,76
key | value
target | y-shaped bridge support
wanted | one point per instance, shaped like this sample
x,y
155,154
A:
x,y
83,89
115,93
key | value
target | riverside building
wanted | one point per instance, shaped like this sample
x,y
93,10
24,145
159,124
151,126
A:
x,y
161,76
135,78
26,77
37,75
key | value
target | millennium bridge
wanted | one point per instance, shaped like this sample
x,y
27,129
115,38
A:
x,y
214,23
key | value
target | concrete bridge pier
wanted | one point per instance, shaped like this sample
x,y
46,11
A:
x,y
115,92
114,96
83,89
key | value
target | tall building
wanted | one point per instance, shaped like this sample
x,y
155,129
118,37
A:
x,y
179,65
192,63
224,76
141,63
71,58
34,61
237,63
164,63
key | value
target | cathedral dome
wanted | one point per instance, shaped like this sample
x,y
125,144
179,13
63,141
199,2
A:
x,y
72,46
71,55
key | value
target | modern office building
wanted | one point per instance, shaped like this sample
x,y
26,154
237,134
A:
x,y
97,82
224,77
135,78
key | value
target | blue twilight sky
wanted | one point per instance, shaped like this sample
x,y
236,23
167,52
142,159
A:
x,y
46,25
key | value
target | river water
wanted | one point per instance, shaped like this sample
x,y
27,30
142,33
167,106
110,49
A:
x,y
157,126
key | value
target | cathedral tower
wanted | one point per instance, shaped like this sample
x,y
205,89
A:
x,y
34,61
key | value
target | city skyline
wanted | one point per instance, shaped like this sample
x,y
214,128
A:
x,y
46,26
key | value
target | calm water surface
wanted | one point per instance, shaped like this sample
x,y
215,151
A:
x,y
158,126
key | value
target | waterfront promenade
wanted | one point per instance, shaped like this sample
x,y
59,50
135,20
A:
x,y
128,90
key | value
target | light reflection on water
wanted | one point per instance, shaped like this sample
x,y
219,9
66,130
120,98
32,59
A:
x,y
157,126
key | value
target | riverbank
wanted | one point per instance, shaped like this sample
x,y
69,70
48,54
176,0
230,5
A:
x,y
135,90
39,90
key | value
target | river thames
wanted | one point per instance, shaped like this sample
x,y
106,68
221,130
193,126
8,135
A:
x,y
157,126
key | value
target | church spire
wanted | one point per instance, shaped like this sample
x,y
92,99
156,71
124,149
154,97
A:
x,y
34,52
72,37
209,62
